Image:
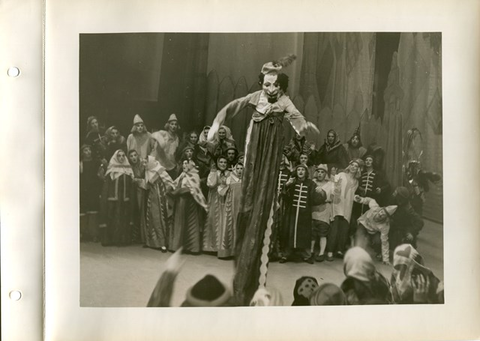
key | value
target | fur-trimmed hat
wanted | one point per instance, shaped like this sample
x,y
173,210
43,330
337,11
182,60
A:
x,y
360,162
232,148
304,166
187,147
322,167
208,292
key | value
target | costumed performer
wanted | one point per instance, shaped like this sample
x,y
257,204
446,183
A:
x,y
117,201
158,209
139,139
263,152
188,210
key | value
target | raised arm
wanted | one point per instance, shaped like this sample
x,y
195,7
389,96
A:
x,y
366,201
212,179
296,119
385,244
231,109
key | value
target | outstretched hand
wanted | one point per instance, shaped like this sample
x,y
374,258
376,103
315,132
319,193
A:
x,y
420,286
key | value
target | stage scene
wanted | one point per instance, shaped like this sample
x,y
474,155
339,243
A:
x,y
260,169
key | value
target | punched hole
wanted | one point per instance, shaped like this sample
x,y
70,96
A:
x,y
13,71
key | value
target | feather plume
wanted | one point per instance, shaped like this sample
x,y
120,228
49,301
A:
x,y
287,60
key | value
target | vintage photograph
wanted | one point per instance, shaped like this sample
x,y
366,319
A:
x,y
260,169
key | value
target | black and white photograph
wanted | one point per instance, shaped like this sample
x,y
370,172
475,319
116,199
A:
x,y
260,169
242,170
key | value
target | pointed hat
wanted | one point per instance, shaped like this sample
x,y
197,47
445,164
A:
x,y
172,117
137,119
391,209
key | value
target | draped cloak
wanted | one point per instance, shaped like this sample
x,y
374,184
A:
x,y
264,147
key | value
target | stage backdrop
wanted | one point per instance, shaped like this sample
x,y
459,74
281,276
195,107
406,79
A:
x,y
386,83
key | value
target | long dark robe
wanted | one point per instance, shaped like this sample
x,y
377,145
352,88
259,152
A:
x,y
298,225
90,188
260,177
118,215
277,241
265,142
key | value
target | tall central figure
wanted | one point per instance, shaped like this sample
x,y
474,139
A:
x,y
264,147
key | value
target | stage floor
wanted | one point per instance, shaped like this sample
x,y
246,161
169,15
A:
x,y
126,276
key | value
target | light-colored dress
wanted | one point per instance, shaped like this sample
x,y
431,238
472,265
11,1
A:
x,y
216,219
232,207
158,218
343,193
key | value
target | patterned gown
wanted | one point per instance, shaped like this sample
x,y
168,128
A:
x,y
216,218
188,214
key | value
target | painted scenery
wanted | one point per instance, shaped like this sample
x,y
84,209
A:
x,y
260,169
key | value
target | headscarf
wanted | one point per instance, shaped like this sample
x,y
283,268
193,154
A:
x,y
201,137
358,264
89,128
191,180
359,268
335,141
235,172
83,147
155,170
116,169
304,287
108,137
407,261
89,121
108,132
360,164
228,134
264,297
328,294
81,155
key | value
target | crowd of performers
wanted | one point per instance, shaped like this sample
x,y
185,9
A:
x,y
201,193
411,282
167,192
